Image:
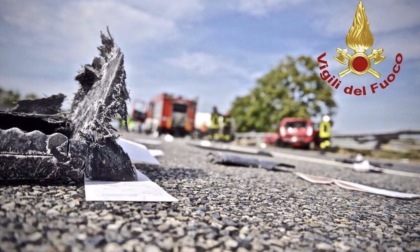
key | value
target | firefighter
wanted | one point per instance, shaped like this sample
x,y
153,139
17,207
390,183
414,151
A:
x,y
325,133
214,124
131,124
227,127
125,124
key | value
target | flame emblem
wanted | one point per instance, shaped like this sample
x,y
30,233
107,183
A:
x,y
360,39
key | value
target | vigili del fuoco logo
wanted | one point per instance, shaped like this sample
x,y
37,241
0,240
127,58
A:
x,y
360,40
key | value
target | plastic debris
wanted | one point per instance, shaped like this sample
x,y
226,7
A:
x,y
138,153
168,138
360,164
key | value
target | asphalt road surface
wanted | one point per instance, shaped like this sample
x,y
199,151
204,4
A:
x,y
220,208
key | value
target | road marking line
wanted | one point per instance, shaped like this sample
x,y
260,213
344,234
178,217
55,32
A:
x,y
226,147
338,164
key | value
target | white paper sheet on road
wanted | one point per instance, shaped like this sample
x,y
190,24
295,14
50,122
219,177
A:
x,y
143,190
138,153
356,187
156,153
145,141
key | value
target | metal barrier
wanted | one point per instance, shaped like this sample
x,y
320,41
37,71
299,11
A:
x,y
251,138
373,141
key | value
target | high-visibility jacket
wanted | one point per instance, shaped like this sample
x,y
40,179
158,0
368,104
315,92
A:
x,y
131,124
227,125
214,124
227,122
325,130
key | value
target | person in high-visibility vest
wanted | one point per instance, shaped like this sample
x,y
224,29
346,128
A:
x,y
131,124
227,127
325,133
214,124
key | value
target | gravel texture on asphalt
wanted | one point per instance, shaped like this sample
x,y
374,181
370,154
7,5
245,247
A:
x,y
220,208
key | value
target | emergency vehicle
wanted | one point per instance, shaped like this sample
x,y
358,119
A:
x,y
170,114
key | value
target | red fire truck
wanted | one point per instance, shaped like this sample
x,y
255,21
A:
x,y
170,114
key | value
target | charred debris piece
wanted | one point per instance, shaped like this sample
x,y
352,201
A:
x,y
236,160
39,142
215,146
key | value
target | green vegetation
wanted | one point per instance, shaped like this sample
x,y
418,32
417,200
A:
x,y
292,89
8,98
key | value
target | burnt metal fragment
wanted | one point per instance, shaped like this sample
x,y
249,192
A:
x,y
37,156
236,160
39,142
47,106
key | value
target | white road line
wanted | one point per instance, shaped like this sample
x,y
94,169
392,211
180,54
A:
x,y
300,158
338,164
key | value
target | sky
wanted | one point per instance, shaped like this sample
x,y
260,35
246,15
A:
x,y
213,50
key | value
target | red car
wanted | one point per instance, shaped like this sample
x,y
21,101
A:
x,y
295,132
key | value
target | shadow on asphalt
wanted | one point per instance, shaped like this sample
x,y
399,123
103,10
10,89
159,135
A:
x,y
43,182
155,173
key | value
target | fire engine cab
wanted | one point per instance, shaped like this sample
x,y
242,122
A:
x,y
170,114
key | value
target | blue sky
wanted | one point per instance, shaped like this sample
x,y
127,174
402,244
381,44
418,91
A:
x,y
214,50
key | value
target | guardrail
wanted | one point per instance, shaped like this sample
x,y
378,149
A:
x,y
251,138
353,141
377,139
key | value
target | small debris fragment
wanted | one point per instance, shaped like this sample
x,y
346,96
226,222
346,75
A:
x,y
236,160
